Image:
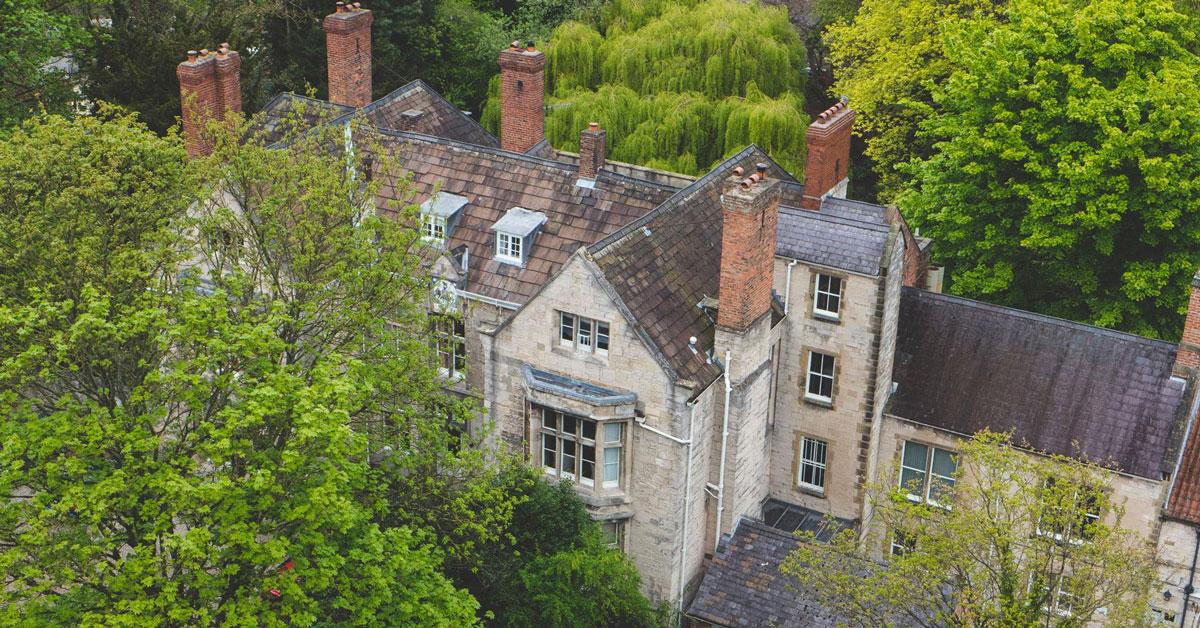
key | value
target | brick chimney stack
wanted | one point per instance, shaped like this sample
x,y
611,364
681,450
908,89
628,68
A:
x,y
826,173
200,100
522,96
749,212
229,79
1187,359
348,54
591,151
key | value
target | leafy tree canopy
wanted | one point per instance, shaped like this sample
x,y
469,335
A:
x,y
34,37
1014,541
217,394
1064,165
678,85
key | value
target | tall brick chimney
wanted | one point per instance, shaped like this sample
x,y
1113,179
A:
x,y
826,172
1187,359
229,79
522,96
591,151
348,54
749,212
200,100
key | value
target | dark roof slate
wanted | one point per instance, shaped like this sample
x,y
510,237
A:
x,y
828,239
663,264
1061,387
744,587
494,181
272,124
440,117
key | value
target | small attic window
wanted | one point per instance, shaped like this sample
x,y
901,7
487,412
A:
x,y
515,232
438,215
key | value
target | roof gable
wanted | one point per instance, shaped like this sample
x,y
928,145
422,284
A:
x,y
439,117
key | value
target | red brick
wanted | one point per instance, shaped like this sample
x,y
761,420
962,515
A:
x,y
1187,358
200,101
229,80
348,55
828,160
522,98
749,216
591,151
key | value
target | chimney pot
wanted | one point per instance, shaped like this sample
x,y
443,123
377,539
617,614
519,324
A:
x,y
529,46
204,52
739,171
191,55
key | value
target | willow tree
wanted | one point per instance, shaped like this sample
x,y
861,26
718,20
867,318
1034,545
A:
x,y
678,85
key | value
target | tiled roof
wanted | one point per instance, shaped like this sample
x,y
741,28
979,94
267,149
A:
x,y
1061,387
439,117
829,239
494,181
663,264
744,587
1184,503
272,123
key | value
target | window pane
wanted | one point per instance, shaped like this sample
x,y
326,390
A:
x,y
913,481
585,333
589,429
568,458
943,463
569,424
567,327
587,463
515,246
549,453
915,455
612,432
549,419
602,336
612,465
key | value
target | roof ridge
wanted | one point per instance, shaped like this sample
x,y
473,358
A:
x,y
1043,318
419,83
673,202
841,220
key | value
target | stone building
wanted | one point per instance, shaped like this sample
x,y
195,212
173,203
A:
x,y
709,358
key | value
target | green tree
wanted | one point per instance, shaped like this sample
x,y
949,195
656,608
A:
x,y
34,36
886,60
678,85
1063,177
1017,539
203,372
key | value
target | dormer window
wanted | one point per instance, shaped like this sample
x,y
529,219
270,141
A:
x,y
438,215
515,232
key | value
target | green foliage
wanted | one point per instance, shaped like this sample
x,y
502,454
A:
x,y
1064,173
677,85
1012,543
886,60
183,452
34,36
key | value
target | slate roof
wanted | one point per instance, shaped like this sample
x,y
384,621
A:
x,y
495,181
272,123
439,116
744,587
1062,387
829,239
665,263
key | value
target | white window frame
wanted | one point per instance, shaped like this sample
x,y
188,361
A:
x,y
1056,593
809,374
1068,535
588,341
433,228
614,442
831,297
927,474
510,248
615,540
899,547
809,460
450,343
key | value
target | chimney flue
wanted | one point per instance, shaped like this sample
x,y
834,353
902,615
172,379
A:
x,y
348,54
1187,357
826,172
591,151
522,97
199,100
